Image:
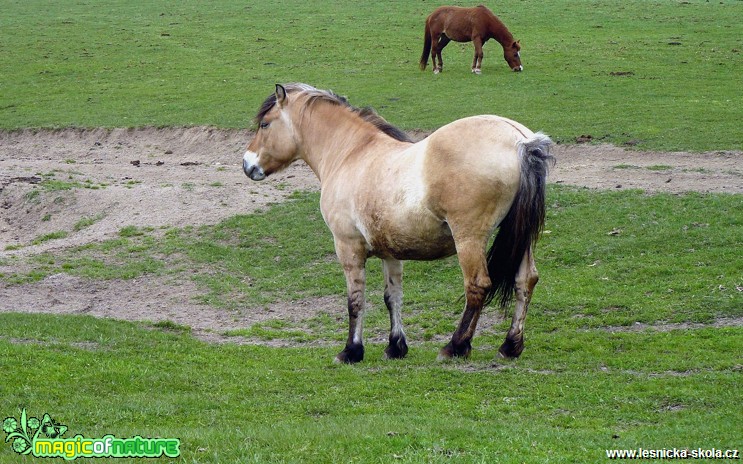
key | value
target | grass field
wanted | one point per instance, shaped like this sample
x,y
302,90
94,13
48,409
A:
x,y
569,398
626,344
633,339
658,74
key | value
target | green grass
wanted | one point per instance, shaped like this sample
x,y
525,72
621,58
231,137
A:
x,y
658,74
50,236
589,379
87,221
33,196
50,183
131,231
659,167
570,397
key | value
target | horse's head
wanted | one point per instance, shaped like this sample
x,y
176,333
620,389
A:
x,y
513,56
274,146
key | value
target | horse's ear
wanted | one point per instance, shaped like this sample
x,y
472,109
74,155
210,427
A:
x,y
280,95
517,45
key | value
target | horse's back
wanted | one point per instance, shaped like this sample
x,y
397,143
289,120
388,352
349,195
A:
x,y
451,10
484,146
478,142
447,17
457,22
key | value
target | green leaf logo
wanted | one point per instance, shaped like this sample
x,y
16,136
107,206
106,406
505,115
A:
x,y
22,432
10,424
50,428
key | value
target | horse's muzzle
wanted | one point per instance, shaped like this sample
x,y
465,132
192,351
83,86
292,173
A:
x,y
254,172
251,168
518,68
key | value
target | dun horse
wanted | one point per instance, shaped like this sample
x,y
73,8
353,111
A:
x,y
384,196
478,25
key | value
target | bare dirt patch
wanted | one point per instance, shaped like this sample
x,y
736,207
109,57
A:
x,y
86,185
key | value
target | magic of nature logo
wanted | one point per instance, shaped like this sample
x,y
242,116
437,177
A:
x,y
42,438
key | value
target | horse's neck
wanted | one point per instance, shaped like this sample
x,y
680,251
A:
x,y
499,31
330,136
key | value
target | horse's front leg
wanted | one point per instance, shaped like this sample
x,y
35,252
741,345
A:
x,y
398,346
526,280
476,284
477,60
353,260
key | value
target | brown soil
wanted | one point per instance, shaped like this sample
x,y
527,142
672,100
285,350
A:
x,y
176,177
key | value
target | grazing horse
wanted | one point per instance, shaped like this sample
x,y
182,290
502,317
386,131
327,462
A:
x,y
478,25
383,195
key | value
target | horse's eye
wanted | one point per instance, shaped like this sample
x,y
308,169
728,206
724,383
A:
x,y
264,125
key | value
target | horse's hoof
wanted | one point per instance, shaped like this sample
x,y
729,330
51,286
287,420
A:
x,y
436,71
511,349
397,349
477,71
351,354
445,356
451,351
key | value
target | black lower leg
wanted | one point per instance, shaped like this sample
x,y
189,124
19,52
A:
x,y
457,349
352,353
461,341
354,350
397,348
512,347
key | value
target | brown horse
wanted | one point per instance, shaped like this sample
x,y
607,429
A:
x,y
478,25
384,196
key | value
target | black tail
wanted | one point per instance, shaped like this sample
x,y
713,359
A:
x,y
521,227
426,48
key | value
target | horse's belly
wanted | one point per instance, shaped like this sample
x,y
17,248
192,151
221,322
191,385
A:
x,y
458,36
413,240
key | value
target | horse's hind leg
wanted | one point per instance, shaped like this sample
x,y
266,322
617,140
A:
x,y
398,346
526,280
476,284
436,53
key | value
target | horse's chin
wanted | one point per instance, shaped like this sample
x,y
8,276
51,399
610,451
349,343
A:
x,y
257,176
